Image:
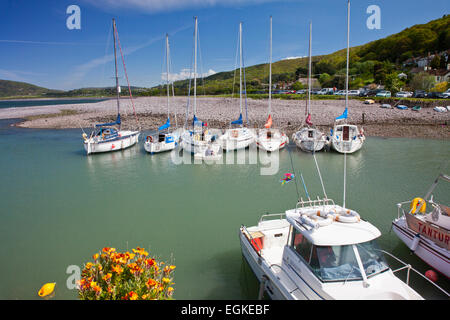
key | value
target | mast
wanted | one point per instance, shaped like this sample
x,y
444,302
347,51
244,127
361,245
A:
x,y
167,72
270,69
115,64
348,53
240,67
195,67
308,104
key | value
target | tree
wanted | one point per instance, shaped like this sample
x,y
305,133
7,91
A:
x,y
393,83
297,86
440,87
422,81
435,62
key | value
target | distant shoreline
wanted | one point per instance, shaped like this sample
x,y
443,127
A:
x,y
288,115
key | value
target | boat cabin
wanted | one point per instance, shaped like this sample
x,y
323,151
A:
x,y
346,132
106,133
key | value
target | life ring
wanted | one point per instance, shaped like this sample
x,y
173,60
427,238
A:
x,y
347,216
416,203
149,138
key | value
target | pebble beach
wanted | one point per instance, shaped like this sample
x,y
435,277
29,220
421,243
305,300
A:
x,y
288,115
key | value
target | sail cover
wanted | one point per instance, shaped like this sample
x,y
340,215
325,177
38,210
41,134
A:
x,y
238,121
308,120
165,126
344,115
269,122
197,122
110,123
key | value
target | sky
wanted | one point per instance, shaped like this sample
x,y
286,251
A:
x,y
36,45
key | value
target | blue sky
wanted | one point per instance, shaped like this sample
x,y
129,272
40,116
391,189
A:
x,y
37,47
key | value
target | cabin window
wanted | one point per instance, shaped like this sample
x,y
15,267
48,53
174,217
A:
x,y
301,245
372,258
346,134
310,134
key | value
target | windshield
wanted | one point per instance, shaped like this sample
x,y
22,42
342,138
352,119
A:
x,y
338,263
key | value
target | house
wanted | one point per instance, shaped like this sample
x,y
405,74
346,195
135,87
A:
x,y
440,75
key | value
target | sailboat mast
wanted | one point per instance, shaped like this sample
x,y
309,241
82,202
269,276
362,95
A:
x,y
348,53
270,69
167,73
115,64
195,67
308,105
240,67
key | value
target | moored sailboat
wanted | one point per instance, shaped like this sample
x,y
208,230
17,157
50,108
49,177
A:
x,y
309,138
109,136
271,139
238,136
165,139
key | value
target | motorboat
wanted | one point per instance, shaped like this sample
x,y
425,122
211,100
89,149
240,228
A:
x,y
238,136
270,139
320,251
309,138
424,226
165,139
108,137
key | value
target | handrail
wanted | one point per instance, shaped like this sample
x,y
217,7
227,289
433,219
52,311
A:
x,y
409,267
251,240
315,202
270,215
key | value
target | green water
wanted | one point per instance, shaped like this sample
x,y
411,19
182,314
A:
x,y
59,206
45,102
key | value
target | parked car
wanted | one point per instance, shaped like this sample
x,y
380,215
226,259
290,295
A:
x,y
419,94
435,95
353,93
384,94
315,91
326,91
403,94
300,92
369,93
340,93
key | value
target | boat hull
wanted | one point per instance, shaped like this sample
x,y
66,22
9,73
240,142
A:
x,y
125,140
435,256
158,147
276,142
347,138
309,139
236,139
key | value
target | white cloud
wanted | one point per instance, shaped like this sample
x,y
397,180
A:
x,y
186,74
292,58
153,6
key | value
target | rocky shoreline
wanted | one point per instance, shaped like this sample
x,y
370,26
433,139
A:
x,y
218,112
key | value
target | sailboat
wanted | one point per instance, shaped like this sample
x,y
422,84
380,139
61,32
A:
x,y
199,140
270,139
238,137
109,136
165,140
346,138
309,138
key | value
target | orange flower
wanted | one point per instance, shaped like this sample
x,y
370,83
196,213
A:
x,y
131,296
107,277
151,283
88,266
149,262
140,251
93,284
129,255
97,289
95,256
118,269
168,269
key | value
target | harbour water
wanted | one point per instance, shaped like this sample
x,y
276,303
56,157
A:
x,y
58,207
44,102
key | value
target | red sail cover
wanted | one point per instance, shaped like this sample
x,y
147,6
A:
x,y
269,122
308,120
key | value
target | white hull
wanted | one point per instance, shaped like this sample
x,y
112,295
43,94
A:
x,y
276,141
214,154
350,143
158,147
125,140
430,253
236,139
309,139
194,143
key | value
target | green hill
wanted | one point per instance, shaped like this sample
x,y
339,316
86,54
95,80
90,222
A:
x,y
14,88
372,62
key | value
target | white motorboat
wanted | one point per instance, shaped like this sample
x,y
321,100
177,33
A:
x,y
195,140
425,228
346,138
270,139
320,251
108,137
166,140
239,136
309,138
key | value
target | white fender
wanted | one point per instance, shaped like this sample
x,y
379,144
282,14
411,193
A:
x,y
415,242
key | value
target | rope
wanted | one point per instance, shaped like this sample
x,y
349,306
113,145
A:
x,y
320,176
126,75
345,176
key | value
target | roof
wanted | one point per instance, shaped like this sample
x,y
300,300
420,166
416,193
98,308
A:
x,y
335,234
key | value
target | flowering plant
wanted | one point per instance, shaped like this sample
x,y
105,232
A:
x,y
125,276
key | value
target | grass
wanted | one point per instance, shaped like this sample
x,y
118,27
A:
x,y
64,112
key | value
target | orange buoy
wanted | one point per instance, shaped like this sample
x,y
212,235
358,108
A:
x,y
432,275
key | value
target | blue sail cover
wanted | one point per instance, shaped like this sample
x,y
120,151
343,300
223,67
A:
x,y
344,115
197,122
238,121
111,123
165,126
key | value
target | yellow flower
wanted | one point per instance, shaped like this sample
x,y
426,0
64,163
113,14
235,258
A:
x,y
133,295
93,284
118,269
95,256
140,251
166,280
107,277
88,265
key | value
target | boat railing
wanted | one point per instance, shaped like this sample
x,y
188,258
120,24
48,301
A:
x,y
270,216
408,267
400,210
251,240
314,202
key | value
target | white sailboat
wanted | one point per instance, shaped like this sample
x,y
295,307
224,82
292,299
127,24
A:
x,y
239,137
108,136
270,139
198,139
346,138
425,229
309,138
165,140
